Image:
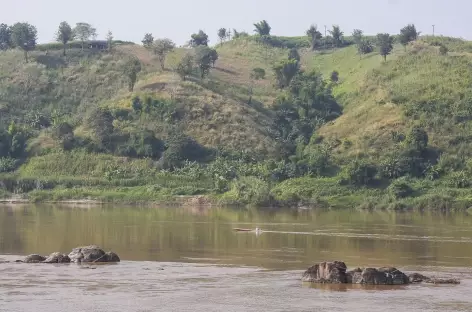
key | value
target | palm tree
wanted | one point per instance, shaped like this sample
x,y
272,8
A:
x,y
314,35
337,35
262,28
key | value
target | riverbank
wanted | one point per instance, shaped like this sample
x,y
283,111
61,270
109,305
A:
x,y
361,200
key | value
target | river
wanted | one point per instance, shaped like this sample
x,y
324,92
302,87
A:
x,y
190,259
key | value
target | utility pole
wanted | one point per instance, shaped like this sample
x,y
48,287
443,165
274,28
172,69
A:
x,y
433,30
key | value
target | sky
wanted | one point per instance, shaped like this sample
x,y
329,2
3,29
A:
x,y
178,19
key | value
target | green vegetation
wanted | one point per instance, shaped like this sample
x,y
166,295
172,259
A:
x,y
258,120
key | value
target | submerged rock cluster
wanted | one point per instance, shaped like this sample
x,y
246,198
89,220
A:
x,y
85,254
336,273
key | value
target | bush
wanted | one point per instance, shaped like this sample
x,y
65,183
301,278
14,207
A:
x,y
251,190
400,189
7,164
180,148
359,173
459,180
417,138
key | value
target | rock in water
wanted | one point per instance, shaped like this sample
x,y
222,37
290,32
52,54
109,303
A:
x,y
33,259
92,253
394,276
112,257
335,273
57,257
326,272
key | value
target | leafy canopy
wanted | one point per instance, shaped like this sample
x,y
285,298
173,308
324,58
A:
x,y
199,39
5,37
148,40
385,44
408,34
262,28
161,48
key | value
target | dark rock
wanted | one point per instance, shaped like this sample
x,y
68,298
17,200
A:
x,y
33,259
92,253
326,272
112,257
354,276
372,276
394,276
57,257
335,273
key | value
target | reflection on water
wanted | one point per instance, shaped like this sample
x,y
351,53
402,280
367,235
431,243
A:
x,y
174,257
291,239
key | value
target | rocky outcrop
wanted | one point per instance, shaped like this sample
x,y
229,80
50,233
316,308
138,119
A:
x,y
336,273
92,253
57,257
32,259
86,254
326,272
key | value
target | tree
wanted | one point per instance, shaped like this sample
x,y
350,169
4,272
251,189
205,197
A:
x,y
365,47
131,70
314,35
64,34
285,71
162,47
5,37
213,57
24,36
337,35
199,39
385,44
294,55
357,34
100,121
256,74
313,97
204,58
262,28
109,40
185,66
417,138
84,31
148,40
334,77
408,34
443,50
222,34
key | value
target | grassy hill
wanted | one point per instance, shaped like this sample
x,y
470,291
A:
x,y
402,138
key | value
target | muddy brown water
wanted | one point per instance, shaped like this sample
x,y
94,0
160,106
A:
x,y
190,259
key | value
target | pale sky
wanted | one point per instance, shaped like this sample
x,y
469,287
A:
x,y
178,19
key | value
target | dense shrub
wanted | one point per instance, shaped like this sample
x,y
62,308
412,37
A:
x,y
400,188
359,173
7,164
180,147
459,180
251,190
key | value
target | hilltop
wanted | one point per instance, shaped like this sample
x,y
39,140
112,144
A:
x,y
350,130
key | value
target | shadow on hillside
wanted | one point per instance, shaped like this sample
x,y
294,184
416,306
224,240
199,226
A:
x,y
234,92
225,70
51,61
157,86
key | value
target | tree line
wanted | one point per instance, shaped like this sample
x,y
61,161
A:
x,y
24,36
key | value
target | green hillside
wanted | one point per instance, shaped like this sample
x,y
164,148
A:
x,y
380,134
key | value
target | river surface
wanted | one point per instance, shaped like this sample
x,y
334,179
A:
x,y
190,259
